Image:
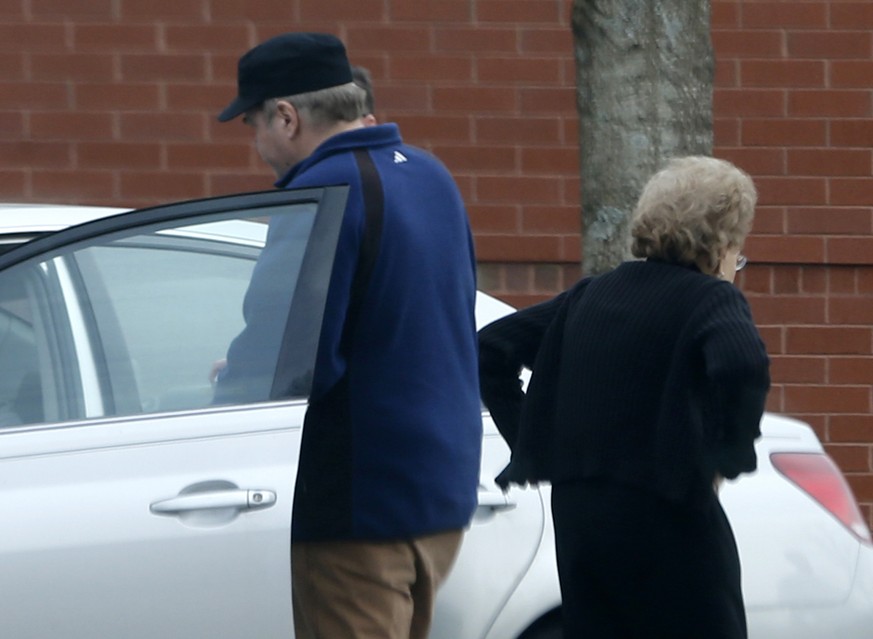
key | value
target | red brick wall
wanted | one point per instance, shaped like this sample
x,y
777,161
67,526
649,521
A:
x,y
114,102
793,107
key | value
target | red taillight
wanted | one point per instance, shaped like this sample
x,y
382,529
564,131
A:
x,y
819,476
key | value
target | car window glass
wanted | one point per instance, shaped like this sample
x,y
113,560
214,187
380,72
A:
x,y
19,358
152,320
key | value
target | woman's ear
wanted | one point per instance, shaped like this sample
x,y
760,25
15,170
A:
x,y
727,264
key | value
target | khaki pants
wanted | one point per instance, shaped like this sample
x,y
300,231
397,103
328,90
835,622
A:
x,y
369,590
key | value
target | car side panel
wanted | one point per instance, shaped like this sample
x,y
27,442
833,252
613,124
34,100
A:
x,y
851,618
539,593
498,549
86,557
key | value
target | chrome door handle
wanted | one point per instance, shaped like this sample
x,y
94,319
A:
x,y
240,499
495,501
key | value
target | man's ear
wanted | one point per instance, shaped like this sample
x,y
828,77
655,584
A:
x,y
289,116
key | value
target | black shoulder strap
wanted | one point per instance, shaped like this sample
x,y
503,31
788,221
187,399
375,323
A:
x,y
294,383
374,201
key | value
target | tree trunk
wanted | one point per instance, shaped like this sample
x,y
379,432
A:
x,y
644,93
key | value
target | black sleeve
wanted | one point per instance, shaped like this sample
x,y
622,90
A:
x,y
505,348
743,406
737,368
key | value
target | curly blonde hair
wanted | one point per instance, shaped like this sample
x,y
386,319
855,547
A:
x,y
693,211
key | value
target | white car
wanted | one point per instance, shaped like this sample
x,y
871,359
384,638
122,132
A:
x,y
135,507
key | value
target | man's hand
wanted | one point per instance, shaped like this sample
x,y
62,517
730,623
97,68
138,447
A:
x,y
216,369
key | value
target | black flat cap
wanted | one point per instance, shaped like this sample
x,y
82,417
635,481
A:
x,y
288,64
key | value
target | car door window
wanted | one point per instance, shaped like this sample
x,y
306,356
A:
x,y
20,396
178,314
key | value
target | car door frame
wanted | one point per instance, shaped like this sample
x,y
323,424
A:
x,y
260,437
317,261
170,212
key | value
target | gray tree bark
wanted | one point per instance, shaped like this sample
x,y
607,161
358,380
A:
x,y
644,71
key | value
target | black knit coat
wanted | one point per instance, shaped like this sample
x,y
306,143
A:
x,y
648,382
652,375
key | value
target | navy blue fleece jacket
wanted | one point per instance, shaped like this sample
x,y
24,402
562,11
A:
x,y
392,436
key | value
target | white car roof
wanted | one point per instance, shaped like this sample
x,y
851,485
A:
x,y
795,434
45,218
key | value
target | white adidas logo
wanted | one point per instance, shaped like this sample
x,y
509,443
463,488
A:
x,y
399,158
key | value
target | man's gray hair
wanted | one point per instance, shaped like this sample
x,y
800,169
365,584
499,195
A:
x,y
343,103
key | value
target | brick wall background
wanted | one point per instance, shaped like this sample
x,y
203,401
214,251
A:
x,y
114,102
793,107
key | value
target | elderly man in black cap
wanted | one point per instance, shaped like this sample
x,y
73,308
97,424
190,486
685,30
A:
x,y
389,459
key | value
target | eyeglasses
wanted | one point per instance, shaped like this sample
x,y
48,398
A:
x,y
742,260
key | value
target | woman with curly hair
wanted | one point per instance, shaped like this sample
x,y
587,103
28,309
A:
x,y
648,387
